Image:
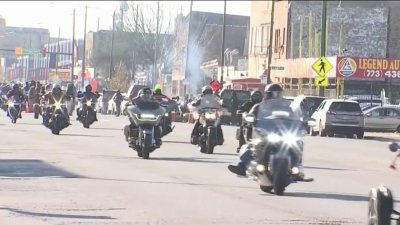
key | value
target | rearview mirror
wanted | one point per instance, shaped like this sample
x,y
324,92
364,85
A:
x,y
250,118
311,122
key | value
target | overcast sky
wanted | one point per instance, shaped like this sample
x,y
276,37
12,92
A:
x,y
58,14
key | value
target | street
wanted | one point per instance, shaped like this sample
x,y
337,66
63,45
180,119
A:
x,y
91,176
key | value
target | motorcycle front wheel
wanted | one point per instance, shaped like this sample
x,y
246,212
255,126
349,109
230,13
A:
x,y
147,143
380,206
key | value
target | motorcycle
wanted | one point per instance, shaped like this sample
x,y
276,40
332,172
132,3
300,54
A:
x,y
242,133
147,116
209,113
14,108
88,112
58,120
168,105
71,105
380,204
277,145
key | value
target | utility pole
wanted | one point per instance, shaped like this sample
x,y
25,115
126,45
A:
x,y
271,30
98,23
155,46
223,46
323,38
84,52
111,70
73,49
187,48
58,50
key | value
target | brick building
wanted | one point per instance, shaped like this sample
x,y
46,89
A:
x,y
358,29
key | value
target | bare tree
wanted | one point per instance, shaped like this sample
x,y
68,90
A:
x,y
120,79
142,21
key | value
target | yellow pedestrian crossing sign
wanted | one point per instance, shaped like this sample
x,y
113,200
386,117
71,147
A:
x,y
321,81
322,66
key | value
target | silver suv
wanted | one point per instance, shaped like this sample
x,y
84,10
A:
x,y
336,116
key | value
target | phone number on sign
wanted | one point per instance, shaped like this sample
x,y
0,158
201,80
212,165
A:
x,y
382,74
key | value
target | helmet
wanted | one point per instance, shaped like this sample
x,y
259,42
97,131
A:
x,y
256,96
207,90
56,89
145,93
118,91
15,87
88,88
273,91
157,89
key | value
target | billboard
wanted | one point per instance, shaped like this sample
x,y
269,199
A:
x,y
367,68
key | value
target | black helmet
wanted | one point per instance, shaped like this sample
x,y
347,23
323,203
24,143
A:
x,y
88,88
207,90
256,96
15,87
146,93
273,91
56,89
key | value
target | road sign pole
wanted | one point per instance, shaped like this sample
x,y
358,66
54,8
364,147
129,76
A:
x,y
323,38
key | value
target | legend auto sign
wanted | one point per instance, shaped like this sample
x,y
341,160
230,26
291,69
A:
x,y
368,68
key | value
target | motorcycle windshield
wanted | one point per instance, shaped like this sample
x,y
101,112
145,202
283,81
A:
x,y
209,102
279,117
147,107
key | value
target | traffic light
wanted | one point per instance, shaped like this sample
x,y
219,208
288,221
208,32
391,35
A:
x,y
19,51
43,51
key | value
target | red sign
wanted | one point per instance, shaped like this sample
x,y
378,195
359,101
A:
x,y
367,68
215,85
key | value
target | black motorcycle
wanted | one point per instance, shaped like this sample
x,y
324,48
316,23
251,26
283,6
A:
x,y
14,108
208,113
168,105
277,146
58,117
88,112
380,204
147,116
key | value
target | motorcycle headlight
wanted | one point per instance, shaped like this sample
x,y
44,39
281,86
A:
x,y
290,139
147,116
210,116
166,114
260,168
273,138
57,105
88,103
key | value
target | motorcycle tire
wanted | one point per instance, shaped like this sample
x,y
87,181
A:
x,y
210,141
147,142
280,176
380,206
266,189
86,124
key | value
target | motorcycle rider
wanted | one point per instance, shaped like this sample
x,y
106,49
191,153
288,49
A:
x,y
206,90
56,95
144,95
87,95
272,91
158,96
16,91
118,98
256,97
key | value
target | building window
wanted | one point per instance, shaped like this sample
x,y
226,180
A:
x,y
276,42
251,41
284,36
262,39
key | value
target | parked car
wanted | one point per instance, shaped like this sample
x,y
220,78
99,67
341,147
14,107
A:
x,y
337,116
226,96
383,118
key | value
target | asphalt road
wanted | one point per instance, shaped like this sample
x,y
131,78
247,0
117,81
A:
x,y
90,176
